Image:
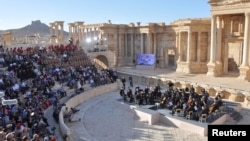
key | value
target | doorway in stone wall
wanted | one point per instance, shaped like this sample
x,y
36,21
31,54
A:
x,y
234,56
171,58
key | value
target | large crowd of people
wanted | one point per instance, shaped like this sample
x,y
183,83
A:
x,y
27,87
28,77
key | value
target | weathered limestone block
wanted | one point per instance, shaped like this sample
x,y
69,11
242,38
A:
x,y
225,94
212,92
247,101
244,73
237,97
214,69
198,89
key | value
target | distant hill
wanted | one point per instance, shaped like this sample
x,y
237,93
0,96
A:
x,y
36,27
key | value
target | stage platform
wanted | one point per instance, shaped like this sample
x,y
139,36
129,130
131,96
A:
x,y
144,67
153,115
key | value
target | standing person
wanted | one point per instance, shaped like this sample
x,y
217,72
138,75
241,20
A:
x,y
130,81
123,81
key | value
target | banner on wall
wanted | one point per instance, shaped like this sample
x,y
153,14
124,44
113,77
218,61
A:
x,y
146,59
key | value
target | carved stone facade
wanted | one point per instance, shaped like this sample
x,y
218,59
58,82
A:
x,y
213,46
230,38
6,39
184,44
75,32
57,32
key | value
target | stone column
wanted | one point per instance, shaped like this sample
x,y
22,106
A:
x,y
187,66
74,32
199,48
62,32
189,46
51,29
123,43
219,46
70,31
142,41
56,31
126,45
226,56
149,49
179,47
213,40
155,44
218,55
80,35
120,46
132,46
231,26
214,69
244,68
246,42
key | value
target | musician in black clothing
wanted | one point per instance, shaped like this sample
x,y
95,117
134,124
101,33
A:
x,y
130,81
139,98
204,110
122,93
123,82
130,95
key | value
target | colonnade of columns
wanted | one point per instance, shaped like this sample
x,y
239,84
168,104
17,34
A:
x,y
128,41
57,32
186,46
215,65
192,48
244,68
75,31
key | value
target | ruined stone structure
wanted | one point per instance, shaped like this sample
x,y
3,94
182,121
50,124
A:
x,y
170,43
75,31
57,32
6,39
215,46
229,37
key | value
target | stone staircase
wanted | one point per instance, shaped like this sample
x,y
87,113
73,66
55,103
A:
x,y
234,115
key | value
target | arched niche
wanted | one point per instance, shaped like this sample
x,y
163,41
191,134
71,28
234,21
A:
x,y
198,89
212,92
225,94
186,86
240,97
177,85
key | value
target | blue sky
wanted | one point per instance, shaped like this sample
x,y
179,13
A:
x,y
19,13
